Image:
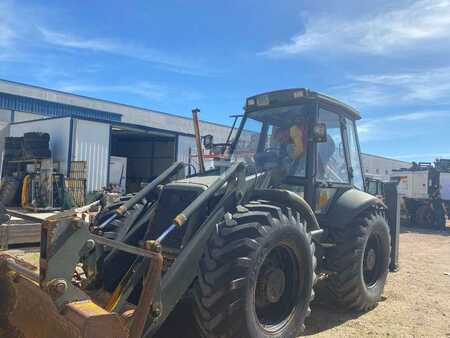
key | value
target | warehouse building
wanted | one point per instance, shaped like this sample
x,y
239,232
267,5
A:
x,y
101,132
95,131
381,167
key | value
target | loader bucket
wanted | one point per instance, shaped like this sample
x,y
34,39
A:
x,y
29,312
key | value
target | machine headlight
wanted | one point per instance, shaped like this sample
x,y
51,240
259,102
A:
x,y
262,100
251,102
299,93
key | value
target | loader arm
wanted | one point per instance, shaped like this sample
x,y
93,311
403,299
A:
x,y
49,303
77,311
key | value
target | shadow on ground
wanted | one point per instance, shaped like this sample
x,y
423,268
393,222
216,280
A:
x,y
326,315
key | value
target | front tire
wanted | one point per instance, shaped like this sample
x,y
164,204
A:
x,y
360,262
257,274
431,216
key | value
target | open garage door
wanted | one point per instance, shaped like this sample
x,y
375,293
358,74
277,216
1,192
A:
x,y
145,153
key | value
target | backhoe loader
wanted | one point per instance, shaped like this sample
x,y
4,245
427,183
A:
x,y
237,247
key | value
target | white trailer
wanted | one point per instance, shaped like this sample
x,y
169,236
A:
x,y
425,195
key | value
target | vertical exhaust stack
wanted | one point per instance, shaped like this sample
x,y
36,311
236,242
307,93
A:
x,y
201,162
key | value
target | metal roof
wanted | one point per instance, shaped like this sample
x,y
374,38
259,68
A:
x,y
87,102
299,96
53,109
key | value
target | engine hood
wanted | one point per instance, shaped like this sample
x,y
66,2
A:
x,y
202,182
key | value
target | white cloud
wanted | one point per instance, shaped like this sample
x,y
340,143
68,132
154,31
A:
x,y
151,91
144,89
416,116
398,126
7,32
424,85
21,30
415,25
127,49
429,86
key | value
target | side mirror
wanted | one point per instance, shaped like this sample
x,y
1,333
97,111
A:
x,y
208,141
320,133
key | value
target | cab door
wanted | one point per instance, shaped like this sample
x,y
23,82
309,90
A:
x,y
354,154
332,161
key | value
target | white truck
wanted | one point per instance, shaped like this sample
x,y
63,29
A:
x,y
425,193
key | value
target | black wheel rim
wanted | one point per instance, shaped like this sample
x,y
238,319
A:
x,y
429,217
425,215
277,288
373,260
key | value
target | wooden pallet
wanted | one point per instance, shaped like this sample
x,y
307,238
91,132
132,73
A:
x,y
19,232
77,189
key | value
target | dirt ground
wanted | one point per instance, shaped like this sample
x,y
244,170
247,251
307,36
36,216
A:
x,y
416,300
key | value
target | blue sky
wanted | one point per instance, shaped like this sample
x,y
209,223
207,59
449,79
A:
x,y
388,59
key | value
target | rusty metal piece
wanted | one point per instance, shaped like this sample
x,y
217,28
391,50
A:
x,y
30,310
198,142
128,315
33,312
94,321
180,219
13,264
57,287
154,246
23,263
149,288
121,210
156,310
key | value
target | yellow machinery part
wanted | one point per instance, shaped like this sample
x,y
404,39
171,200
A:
x,y
26,309
296,134
24,197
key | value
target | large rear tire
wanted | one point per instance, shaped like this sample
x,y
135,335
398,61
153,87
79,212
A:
x,y
257,275
360,261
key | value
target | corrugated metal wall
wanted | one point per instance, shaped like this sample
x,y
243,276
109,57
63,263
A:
x,y
91,144
21,116
53,109
59,131
184,143
5,119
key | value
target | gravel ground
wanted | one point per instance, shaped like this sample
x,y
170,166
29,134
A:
x,y
416,300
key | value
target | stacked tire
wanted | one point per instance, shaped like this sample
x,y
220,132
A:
x,y
36,145
9,191
13,148
4,217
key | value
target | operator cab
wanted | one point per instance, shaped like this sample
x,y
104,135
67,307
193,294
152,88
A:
x,y
307,138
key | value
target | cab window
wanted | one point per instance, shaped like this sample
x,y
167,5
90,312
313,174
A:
x,y
372,187
331,162
358,180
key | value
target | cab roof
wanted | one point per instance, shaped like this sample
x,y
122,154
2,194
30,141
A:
x,y
296,96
